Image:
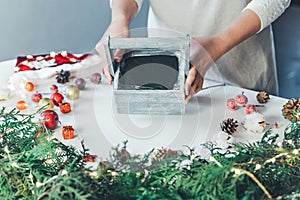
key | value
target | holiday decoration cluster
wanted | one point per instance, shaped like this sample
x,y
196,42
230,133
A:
x,y
34,165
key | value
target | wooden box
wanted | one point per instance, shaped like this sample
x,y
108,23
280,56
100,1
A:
x,y
150,77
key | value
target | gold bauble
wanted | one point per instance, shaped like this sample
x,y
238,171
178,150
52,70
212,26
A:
x,y
46,103
72,92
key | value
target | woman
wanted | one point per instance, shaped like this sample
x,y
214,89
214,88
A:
x,y
235,34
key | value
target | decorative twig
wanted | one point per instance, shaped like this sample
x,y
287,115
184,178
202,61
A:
x,y
4,133
242,171
212,86
255,105
273,124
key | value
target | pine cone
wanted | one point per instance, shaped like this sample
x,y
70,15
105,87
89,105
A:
x,y
229,125
262,97
63,76
160,154
291,110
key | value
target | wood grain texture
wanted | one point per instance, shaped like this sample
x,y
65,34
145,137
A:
x,y
158,102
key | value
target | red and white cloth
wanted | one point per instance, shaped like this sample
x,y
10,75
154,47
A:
x,y
37,62
37,67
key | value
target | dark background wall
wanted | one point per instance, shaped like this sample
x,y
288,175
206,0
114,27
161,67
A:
x,y
287,45
35,26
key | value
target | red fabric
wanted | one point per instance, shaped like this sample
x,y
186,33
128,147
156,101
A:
x,y
23,62
24,68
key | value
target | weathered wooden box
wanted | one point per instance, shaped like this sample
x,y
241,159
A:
x,y
150,77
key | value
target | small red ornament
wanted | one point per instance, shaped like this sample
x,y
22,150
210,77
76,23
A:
x,y
89,158
53,88
250,109
29,86
57,98
68,132
241,99
49,119
230,104
65,107
36,97
21,105
171,152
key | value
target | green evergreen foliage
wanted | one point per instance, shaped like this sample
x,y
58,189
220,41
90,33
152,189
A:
x,y
34,165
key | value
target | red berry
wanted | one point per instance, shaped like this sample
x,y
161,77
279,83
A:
x,y
29,86
57,98
49,119
250,109
53,88
230,104
36,97
21,105
241,99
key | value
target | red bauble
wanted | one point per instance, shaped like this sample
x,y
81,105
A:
x,y
241,99
250,109
49,119
53,88
57,98
230,104
36,97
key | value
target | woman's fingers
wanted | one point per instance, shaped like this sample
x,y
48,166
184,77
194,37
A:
x,y
193,84
189,80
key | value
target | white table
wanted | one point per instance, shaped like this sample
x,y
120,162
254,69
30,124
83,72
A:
x,y
96,121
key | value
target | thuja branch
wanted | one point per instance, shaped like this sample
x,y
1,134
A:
x,y
30,157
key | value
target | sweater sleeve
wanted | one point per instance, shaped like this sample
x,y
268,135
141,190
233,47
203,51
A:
x,y
268,10
138,3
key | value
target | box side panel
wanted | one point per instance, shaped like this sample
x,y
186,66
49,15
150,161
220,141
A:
x,y
144,102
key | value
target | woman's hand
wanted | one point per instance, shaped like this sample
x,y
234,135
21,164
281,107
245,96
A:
x,y
204,51
122,12
115,30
